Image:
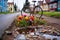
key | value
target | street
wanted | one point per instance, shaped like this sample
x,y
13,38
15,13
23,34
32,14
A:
x,y
5,21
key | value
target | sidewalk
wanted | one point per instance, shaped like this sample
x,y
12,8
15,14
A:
x,y
52,20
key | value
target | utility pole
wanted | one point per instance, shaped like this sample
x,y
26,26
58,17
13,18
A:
x,y
13,4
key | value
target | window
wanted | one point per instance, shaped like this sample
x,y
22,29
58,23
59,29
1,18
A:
x,y
55,5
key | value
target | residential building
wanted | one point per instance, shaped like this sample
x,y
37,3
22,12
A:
x,y
58,5
52,5
31,7
3,5
44,5
11,6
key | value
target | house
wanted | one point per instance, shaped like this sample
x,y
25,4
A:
x,y
58,5
3,5
11,6
52,5
31,7
44,5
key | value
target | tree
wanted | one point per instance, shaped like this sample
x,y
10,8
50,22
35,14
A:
x,y
26,5
15,7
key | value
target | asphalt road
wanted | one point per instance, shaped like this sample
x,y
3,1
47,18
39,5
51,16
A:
x,y
6,20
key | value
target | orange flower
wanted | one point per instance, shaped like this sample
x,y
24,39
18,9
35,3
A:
x,y
19,20
20,17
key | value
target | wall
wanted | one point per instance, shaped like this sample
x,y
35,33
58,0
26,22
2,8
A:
x,y
44,7
3,5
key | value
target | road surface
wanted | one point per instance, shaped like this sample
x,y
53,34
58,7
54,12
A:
x,y
6,20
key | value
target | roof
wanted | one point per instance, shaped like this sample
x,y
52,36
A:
x,y
10,2
43,2
47,1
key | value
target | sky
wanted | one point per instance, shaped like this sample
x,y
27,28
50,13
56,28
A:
x,y
20,3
